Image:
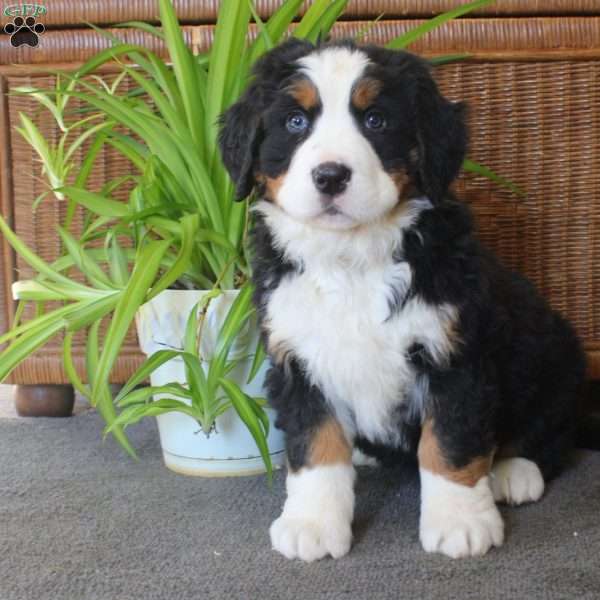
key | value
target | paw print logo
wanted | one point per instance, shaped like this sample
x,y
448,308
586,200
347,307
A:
x,y
24,31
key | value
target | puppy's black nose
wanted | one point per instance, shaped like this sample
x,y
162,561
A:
x,y
331,178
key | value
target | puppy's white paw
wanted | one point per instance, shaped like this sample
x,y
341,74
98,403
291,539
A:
x,y
516,480
310,540
458,520
317,515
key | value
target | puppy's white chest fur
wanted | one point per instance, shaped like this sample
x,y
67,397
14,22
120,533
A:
x,y
335,316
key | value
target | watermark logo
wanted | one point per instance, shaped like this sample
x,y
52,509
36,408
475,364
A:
x,y
25,28
25,10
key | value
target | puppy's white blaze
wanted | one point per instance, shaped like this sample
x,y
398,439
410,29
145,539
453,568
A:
x,y
335,137
335,316
458,520
317,515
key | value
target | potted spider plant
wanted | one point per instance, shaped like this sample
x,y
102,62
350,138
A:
x,y
173,255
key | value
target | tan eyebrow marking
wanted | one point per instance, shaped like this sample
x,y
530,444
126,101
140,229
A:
x,y
305,93
365,91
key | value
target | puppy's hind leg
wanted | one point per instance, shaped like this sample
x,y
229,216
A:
x,y
516,481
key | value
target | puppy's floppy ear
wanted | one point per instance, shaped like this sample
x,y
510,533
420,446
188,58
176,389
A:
x,y
238,140
441,138
241,124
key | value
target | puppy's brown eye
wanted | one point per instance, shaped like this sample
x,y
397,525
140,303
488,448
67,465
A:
x,y
296,122
374,120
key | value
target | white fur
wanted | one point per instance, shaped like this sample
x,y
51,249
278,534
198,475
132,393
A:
x,y
335,137
458,520
516,480
335,316
317,515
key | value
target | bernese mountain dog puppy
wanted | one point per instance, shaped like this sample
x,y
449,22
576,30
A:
x,y
390,328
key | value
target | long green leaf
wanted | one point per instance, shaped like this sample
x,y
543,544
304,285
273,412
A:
x,y
226,53
85,263
237,316
96,203
196,379
117,261
92,353
189,226
260,412
321,28
142,26
33,260
447,58
25,345
276,26
85,313
242,404
145,394
407,38
150,365
46,320
142,277
257,362
184,67
235,320
473,167
191,341
105,56
132,414
69,366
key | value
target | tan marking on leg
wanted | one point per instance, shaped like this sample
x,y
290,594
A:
x,y
305,93
365,92
432,459
329,445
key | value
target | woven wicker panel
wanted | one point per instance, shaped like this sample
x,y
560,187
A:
x,y
533,118
539,124
75,12
493,38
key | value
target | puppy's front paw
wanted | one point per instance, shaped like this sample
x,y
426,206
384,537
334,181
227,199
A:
x,y
458,520
459,535
311,539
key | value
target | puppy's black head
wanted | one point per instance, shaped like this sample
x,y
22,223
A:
x,y
337,134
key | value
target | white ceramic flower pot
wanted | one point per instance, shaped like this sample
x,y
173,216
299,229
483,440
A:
x,y
230,450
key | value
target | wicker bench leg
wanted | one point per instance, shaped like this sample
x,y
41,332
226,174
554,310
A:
x,y
588,434
44,400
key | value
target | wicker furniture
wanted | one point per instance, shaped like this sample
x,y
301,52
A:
x,y
532,83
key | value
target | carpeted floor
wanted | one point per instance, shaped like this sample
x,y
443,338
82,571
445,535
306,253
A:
x,y
81,521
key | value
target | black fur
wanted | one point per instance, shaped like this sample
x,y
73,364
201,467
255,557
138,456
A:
x,y
301,408
516,366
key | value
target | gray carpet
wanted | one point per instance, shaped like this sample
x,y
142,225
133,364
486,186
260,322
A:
x,y
79,520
